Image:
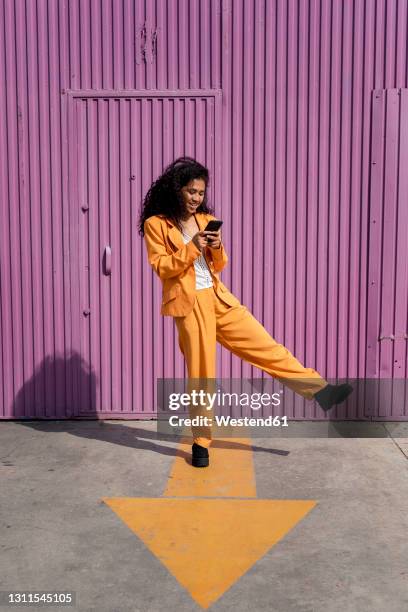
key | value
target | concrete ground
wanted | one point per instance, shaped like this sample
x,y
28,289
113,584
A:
x,y
348,554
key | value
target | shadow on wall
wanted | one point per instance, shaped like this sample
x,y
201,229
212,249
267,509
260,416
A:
x,y
60,388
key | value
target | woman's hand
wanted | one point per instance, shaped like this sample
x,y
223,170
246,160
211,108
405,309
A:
x,y
200,240
211,239
214,239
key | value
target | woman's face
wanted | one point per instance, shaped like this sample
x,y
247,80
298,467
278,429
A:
x,y
193,195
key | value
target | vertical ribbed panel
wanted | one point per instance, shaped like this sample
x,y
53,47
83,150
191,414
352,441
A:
x,y
162,44
294,186
387,313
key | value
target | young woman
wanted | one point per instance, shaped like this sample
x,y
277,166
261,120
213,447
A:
x,y
188,260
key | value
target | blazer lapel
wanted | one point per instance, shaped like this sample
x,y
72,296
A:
x,y
175,237
201,221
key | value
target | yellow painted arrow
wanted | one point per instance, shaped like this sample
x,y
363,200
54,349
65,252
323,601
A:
x,y
208,529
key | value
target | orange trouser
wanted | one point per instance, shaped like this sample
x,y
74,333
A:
x,y
212,321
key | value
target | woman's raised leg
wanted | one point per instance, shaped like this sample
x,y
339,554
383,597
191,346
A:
x,y
241,333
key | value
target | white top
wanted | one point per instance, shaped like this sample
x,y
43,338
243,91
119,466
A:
x,y
202,272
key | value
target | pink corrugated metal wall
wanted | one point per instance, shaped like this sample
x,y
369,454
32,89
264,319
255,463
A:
x,y
93,94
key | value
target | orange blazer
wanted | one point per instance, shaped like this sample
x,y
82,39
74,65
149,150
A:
x,y
173,262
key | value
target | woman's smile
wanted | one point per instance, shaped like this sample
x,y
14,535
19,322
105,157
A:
x,y
194,189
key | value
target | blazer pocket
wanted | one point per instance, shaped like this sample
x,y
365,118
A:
x,y
171,294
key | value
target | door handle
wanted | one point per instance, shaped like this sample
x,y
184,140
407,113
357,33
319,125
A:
x,y
108,259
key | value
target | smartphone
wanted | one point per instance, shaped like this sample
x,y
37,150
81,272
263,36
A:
x,y
213,225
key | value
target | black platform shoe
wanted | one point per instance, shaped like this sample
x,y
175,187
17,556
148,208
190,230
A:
x,y
332,395
200,456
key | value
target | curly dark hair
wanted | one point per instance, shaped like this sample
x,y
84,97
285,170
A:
x,y
164,195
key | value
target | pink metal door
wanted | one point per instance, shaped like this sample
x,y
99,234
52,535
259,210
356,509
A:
x,y
120,143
